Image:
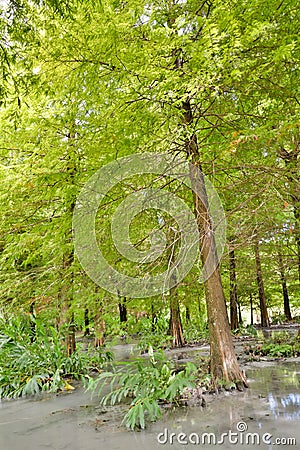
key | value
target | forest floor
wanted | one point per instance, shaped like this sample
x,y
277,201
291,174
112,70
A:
x,y
72,419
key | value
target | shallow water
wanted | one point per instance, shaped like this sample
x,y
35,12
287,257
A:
x,y
73,421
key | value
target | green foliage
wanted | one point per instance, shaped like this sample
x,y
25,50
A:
x,y
147,381
272,349
158,338
249,330
29,366
195,333
280,345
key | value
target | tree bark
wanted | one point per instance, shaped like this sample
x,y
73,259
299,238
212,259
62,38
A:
x,y
234,323
240,314
32,322
187,314
291,159
99,325
175,325
66,320
286,301
86,322
264,318
123,310
223,361
251,309
67,276
153,318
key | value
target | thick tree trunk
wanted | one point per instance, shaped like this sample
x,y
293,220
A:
x,y
223,361
234,323
286,301
264,318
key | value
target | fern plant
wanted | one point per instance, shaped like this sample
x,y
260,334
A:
x,y
147,382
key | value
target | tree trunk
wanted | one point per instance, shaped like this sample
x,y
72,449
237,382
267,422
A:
x,y
99,325
240,314
286,301
86,322
187,314
32,322
261,291
153,318
175,326
123,310
67,276
251,309
291,159
234,323
70,337
66,321
223,361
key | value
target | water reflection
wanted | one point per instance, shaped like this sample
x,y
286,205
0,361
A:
x,y
287,406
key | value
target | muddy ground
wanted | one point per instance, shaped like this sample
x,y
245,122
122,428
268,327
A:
x,y
73,420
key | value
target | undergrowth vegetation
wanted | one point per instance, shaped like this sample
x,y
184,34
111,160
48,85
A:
x,y
33,362
146,382
280,345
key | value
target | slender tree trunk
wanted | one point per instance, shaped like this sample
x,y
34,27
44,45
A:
x,y
86,322
66,321
99,325
70,338
234,323
187,314
67,276
286,301
261,291
223,360
251,309
32,322
240,314
175,324
297,233
123,310
291,159
153,318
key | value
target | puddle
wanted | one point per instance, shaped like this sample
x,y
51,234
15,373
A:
x,y
74,421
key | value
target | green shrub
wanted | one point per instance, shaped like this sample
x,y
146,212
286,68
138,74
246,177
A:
x,y
195,333
28,367
146,381
158,338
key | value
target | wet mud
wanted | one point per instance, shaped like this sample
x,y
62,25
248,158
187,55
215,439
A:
x,y
74,421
